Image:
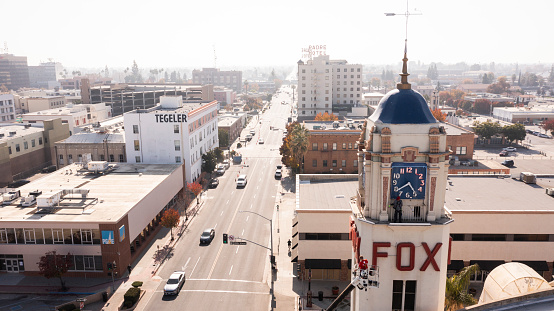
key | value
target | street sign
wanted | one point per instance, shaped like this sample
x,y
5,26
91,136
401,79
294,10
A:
x,y
82,305
231,238
238,243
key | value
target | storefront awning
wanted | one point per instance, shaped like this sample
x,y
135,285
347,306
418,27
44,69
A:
x,y
322,264
535,265
487,265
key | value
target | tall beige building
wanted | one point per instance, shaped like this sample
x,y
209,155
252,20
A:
x,y
331,86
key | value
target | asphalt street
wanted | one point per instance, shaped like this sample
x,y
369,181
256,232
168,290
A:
x,y
231,277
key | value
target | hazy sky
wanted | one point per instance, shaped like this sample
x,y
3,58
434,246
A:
x,y
269,33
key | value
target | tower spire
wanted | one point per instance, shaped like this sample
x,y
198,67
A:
x,y
404,85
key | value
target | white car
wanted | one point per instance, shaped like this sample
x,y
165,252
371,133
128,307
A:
x,y
241,181
174,283
261,141
510,149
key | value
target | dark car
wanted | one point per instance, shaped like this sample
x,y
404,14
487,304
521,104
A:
x,y
214,183
207,236
49,169
508,163
19,183
503,153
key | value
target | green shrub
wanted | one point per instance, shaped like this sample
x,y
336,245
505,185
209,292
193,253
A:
x,y
67,307
137,284
131,296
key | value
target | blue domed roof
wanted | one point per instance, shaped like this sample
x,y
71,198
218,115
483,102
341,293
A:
x,y
403,107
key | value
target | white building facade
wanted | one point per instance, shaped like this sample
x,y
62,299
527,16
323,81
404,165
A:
x,y
172,132
7,108
403,153
324,84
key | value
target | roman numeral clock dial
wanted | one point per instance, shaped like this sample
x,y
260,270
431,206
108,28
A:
x,y
408,180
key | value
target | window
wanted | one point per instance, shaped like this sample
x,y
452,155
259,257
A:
x,y
102,157
86,236
349,145
17,148
334,163
112,158
29,236
314,163
177,144
303,70
137,159
57,236
338,76
10,150
334,146
324,163
343,145
355,163
531,237
303,99
358,69
403,290
137,145
69,158
33,143
338,69
314,146
324,146
345,76
343,163
461,150
121,159
176,129
135,129
40,140
177,159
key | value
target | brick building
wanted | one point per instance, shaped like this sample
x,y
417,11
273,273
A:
x,y
332,148
460,141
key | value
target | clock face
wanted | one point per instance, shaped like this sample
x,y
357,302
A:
x,y
408,180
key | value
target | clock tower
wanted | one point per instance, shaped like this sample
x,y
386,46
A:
x,y
402,155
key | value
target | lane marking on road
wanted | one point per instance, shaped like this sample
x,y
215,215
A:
x,y
232,192
227,201
186,264
231,270
215,226
247,218
242,232
229,228
237,251
221,213
194,267
219,291
257,187
251,206
254,196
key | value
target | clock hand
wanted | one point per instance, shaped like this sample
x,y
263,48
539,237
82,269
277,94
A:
x,y
403,186
410,184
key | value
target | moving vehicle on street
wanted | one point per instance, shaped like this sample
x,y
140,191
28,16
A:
x,y
174,283
241,181
503,153
261,141
510,149
207,236
508,163
278,174
214,183
220,169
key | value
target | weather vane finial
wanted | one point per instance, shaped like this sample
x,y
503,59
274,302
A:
x,y
404,85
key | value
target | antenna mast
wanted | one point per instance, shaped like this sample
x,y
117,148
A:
x,y
6,47
215,58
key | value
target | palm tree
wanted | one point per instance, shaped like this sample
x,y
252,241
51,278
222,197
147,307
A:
x,y
299,143
456,289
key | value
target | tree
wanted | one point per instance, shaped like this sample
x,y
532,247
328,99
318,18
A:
x,y
375,82
551,76
295,146
135,76
456,295
487,129
439,115
482,106
223,136
54,265
106,72
514,132
3,88
432,72
548,126
475,67
499,87
209,161
467,81
195,188
170,219
488,78
325,117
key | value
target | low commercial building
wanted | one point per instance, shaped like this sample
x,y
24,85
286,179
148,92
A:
x,y
73,115
332,147
500,220
172,132
95,218
460,141
34,104
320,239
534,113
232,124
27,148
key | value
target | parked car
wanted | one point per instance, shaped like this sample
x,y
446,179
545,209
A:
x,y
503,153
241,181
220,169
253,132
261,141
207,236
174,283
214,183
49,169
227,164
510,149
544,136
508,163
249,137
278,174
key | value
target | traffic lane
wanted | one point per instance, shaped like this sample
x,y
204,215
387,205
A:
x,y
207,299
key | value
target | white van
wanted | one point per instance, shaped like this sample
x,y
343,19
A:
x,y
241,181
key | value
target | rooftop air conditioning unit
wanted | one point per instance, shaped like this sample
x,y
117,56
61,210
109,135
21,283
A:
x,y
550,191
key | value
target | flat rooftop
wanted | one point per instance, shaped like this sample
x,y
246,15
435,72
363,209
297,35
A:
x,y
495,194
227,120
94,138
19,129
117,192
454,130
326,194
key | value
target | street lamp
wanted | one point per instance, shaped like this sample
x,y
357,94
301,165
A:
x,y
270,246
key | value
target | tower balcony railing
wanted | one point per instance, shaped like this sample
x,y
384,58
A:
x,y
410,213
